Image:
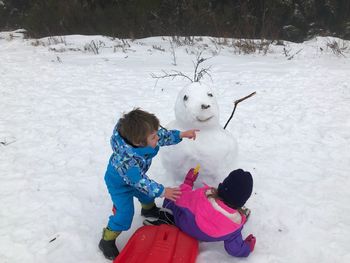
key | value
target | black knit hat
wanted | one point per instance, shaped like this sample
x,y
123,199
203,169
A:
x,y
236,189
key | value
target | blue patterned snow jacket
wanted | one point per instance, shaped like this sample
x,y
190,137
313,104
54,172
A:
x,y
128,164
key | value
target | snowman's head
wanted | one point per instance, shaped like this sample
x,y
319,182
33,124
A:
x,y
196,107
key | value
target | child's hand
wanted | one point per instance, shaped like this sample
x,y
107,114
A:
x,y
172,193
190,134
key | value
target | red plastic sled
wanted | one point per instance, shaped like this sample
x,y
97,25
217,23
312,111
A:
x,y
164,243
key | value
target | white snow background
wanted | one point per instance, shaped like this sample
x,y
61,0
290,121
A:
x,y
59,103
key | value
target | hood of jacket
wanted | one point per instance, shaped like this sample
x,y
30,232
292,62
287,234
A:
x,y
122,148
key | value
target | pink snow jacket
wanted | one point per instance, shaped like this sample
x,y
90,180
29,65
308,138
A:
x,y
210,220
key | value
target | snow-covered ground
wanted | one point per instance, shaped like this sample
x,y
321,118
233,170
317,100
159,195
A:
x,y
59,102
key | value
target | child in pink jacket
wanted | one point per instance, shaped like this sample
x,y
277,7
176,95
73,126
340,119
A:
x,y
210,214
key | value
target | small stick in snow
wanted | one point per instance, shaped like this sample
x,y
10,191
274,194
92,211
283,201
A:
x,y
53,239
291,57
173,75
7,141
236,103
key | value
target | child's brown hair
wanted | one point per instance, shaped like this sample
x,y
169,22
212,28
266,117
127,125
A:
x,y
213,193
136,125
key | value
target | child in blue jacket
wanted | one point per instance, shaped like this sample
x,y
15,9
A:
x,y
135,141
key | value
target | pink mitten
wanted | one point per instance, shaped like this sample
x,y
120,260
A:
x,y
251,240
191,177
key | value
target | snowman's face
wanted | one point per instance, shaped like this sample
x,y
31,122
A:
x,y
196,106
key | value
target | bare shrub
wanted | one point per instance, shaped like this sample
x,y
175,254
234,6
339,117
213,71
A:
x,y
219,43
123,45
248,46
337,48
56,40
50,41
222,41
59,50
287,53
172,50
158,48
94,46
37,43
183,41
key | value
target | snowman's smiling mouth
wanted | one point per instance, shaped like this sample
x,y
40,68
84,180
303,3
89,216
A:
x,y
203,120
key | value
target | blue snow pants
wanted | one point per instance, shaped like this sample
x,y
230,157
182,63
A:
x,y
123,200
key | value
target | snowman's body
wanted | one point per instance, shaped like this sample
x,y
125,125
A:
x,y
214,149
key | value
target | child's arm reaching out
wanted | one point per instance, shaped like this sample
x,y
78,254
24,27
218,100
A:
x,y
171,137
190,134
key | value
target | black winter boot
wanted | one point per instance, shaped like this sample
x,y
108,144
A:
x,y
165,217
107,244
153,211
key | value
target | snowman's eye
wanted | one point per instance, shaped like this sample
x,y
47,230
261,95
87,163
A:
x,y
210,95
185,98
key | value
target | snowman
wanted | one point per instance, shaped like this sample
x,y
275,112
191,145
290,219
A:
x,y
214,149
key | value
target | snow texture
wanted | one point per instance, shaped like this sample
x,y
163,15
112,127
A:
x,y
59,102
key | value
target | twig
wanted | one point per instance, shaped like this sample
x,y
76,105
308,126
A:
x,y
291,57
202,72
198,75
5,142
173,51
199,60
236,103
336,48
171,75
53,239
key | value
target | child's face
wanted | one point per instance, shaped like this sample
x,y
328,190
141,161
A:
x,y
152,139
